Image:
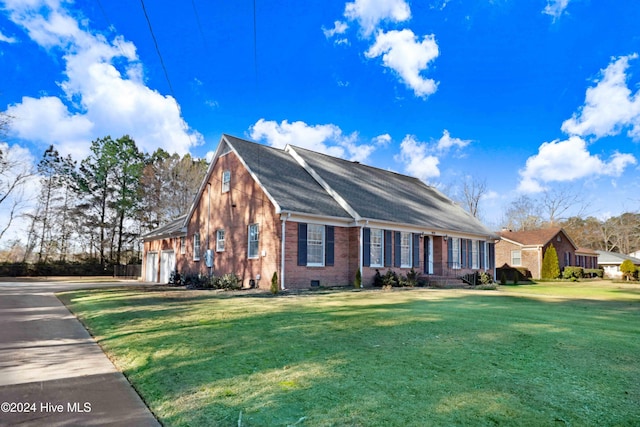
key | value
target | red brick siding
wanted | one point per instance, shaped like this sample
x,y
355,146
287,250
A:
x,y
233,212
339,274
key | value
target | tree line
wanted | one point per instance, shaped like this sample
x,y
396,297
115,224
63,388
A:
x,y
550,208
98,207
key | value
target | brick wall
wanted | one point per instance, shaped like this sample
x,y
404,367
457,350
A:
x,y
342,273
233,211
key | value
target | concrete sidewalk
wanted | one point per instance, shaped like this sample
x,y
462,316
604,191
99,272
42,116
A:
x,y
52,372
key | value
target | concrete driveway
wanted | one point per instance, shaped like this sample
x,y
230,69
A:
x,y
52,372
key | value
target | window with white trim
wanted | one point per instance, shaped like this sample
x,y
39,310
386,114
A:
x,y
474,254
376,249
516,258
220,240
196,247
183,245
315,245
226,181
454,262
252,246
405,250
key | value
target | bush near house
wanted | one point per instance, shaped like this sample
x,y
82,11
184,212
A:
x,y
550,264
573,273
628,269
229,281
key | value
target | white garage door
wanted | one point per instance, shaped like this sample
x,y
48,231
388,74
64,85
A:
x,y
167,265
151,269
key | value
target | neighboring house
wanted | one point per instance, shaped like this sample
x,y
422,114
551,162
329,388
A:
x,y
610,262
527,248
315,220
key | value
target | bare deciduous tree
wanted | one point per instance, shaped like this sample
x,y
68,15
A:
x,y
473,190
15,170
523,214
558,201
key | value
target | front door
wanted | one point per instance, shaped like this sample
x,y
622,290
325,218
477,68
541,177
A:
x,y
428,257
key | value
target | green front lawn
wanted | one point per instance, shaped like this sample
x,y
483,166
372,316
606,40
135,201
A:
x,y
549,354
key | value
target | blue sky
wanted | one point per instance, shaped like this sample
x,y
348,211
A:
x,y
527,95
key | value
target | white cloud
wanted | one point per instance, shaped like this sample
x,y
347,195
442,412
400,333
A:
x,y
339,27
403,53
555,8
327,139
382,140
446,142
369,13
100,98
567,161
417,160
7,39
609,106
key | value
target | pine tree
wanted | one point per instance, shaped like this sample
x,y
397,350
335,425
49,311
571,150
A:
x,y
550,264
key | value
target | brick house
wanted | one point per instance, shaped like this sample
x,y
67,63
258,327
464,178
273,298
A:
x,y
314,220
527,248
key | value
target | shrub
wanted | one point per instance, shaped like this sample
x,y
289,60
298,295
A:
x,y
196,281
485,278
412,278
229,281
274,283
174,278
503,278
377,279
390,279
357,283
628,269
487,286
550,264
594,272
573,273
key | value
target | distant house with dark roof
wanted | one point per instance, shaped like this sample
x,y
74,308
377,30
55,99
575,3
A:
x,y
314,220
610,262
526,249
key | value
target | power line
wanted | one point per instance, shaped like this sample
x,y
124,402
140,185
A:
x,y
155,42
255,41
195,11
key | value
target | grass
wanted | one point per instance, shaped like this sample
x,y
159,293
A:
x,y
542,355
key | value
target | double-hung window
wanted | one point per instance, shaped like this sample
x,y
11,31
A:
x,y
315,245
252,249
196,247
405,250
226,181
516,258
376,248
454,253
474,254
220,240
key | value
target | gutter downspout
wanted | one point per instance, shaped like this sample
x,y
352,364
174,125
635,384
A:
x,y
282,249
361,251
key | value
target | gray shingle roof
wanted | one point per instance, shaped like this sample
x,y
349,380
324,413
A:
x,y
285,180
614,258
382,195
375,194
170,229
